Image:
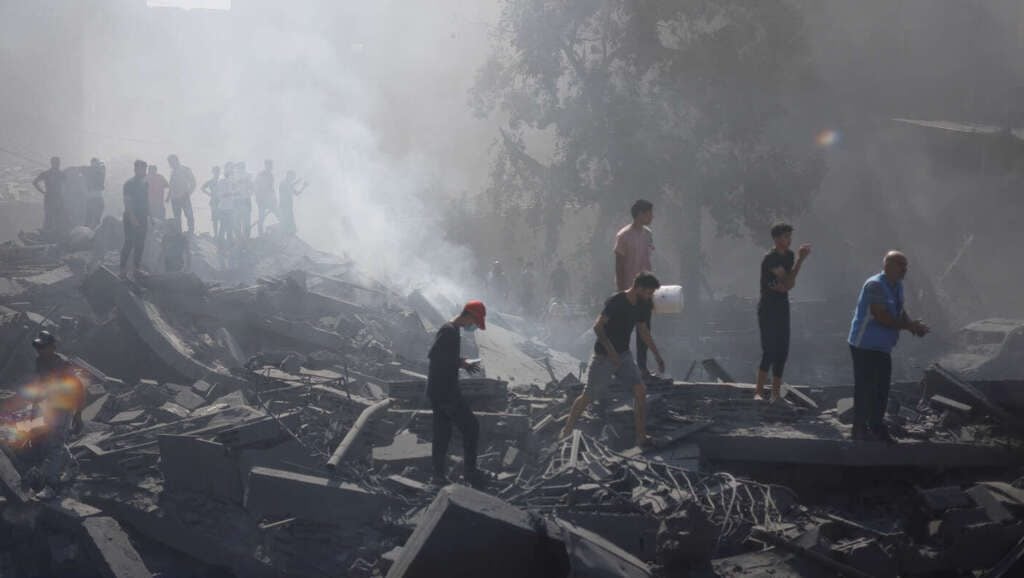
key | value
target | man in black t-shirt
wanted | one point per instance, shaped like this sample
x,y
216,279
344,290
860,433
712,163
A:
x,y
449,407
136,217
778,276
612,359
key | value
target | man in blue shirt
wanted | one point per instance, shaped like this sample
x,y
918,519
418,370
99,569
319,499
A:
x,y
876,326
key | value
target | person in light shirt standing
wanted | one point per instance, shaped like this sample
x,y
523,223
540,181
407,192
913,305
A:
x,y
634,249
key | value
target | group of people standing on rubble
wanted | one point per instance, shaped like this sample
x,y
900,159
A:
x,y
879,317
71,197
75,196
232,191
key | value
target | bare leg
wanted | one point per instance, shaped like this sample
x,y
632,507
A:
x,y
640,413
776,387
578,406
762,377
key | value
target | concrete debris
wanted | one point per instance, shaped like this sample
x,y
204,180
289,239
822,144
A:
x,y
272,420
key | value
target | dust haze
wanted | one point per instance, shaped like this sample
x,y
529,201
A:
x,y
369,102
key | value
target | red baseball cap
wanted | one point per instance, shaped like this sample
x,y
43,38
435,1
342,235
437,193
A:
x,y
478,311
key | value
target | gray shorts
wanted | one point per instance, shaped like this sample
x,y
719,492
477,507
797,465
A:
x,y
602,373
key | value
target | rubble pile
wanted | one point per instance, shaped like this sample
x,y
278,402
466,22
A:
x,y
266,415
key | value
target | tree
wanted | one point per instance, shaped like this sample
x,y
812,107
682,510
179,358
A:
x,y
693,101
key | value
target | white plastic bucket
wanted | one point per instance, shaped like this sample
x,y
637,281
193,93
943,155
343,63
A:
x,y
668,299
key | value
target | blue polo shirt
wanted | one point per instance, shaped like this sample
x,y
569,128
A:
x,y
865,331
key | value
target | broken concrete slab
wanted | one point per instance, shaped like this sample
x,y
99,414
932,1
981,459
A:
x,y
405,451
170,412
127,417
112,550
273,492
414,390
304,333
942,402
809,450
95,408
995,510
486,535
493,426
161,337
592,555
634,533
11,480
198,465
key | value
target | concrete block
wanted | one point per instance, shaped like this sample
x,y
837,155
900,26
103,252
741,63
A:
x,y
937,500
170,412
982,545
405,451
594,556
193,464
844,410
203,388
511,458
942,402
111,549
261,432
868,556
995,510
229,342
466,533
274,492
634,533
406,484
95,409
11,479
127,417
188,399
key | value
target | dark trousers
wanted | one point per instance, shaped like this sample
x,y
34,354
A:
x,y
448,412
265,208
773,321
184,205
134,243
872,373
93,211
641,350
243,218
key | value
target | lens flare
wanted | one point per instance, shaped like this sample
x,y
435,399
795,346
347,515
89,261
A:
x,y
827,138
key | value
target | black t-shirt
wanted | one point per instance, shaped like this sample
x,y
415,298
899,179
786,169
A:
x,y
136,198
768,279
443,375
622,317
49,367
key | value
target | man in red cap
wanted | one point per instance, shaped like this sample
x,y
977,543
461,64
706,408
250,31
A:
x,y
445,397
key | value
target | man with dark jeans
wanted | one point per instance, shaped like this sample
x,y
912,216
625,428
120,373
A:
x,y
634,248
874,332
95,180
779,270
136,218
449,407
180,189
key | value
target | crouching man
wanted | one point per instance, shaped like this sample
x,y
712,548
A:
x,y
449,407
612,359
63,396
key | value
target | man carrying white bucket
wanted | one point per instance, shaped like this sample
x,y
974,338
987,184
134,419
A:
x,y
612,360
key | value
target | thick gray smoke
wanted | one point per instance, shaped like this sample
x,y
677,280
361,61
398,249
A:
x,y
367,101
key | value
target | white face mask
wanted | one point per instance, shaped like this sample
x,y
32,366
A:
x,y
471,327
